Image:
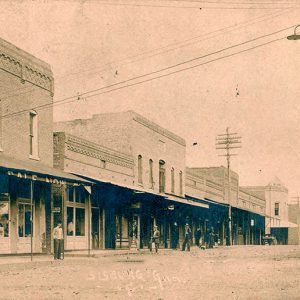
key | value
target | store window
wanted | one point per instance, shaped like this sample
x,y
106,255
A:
x,y
70,221
140,169
80,221
33,134
80,195
24,220
277,209
70,194
4,219
76,212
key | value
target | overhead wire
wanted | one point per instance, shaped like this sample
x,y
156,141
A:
x,y
78,96
184,42
191,7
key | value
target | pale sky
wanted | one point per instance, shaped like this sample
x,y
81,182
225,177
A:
x,y
91,45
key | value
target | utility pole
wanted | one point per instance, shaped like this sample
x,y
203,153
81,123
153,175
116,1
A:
x,y
227,142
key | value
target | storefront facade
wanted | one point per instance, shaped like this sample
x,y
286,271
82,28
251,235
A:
x,y
31,204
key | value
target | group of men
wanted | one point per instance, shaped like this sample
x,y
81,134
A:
x,y
154,241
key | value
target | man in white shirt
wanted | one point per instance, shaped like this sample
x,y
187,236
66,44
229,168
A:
x,y
58,238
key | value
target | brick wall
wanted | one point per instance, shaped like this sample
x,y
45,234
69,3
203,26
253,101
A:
x,y
131,134
17,97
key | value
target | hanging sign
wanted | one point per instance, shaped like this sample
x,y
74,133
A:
x,y
34,177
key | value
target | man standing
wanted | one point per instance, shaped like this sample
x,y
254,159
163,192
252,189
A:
x,y
197,236
187,237
156,236
58,239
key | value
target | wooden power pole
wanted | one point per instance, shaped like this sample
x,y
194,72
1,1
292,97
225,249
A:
x,y
227,142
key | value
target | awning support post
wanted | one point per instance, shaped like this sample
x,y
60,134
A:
x,y
31,220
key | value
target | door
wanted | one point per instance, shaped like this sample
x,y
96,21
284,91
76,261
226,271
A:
x,y
95,228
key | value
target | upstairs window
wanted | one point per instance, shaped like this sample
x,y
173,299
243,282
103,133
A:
x,y
140,169
180,183
172,180
276,209
33,135
162,177
151,182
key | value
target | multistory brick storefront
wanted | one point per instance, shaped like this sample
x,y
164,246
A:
x,y
32,192
248,209
139,171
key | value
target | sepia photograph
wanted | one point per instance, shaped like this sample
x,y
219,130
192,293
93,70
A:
x,y
150,149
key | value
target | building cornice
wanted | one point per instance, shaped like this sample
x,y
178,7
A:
x,y
153,126
91,149
25,66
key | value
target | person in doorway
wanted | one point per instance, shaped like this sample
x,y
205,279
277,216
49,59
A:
x,y
58,239
134,235
211,238
187,237
156,237
197,236
175,235
70,228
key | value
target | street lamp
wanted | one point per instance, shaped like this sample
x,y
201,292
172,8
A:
x,y
294,36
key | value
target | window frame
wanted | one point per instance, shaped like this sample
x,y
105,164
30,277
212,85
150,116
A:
x,y
151,179
140,169
33,135
276,208
172,180
74,205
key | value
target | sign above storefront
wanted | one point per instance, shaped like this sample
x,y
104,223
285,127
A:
x,y
34,177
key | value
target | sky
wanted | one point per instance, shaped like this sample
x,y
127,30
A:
x,y
255,92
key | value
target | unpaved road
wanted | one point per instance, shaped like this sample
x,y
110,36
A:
x,y
253,272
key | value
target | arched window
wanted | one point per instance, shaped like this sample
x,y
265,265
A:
x,y
162,178
172,180
180,183
151,182
140,169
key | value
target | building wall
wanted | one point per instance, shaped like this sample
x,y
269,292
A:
x,y
155,143
26,83
133,135
79,156
294,217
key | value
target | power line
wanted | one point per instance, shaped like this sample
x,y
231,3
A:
x,y
189,61
230,2
190,7
271,15
185,42
60,102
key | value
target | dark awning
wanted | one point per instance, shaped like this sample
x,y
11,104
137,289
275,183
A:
x,y
34,170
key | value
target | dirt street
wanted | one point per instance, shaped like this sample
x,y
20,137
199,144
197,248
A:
x,y
252,272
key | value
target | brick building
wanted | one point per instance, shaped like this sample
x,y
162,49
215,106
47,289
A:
x,y
248,209
29,185
139,168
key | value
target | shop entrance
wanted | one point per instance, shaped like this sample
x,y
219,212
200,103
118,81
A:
x,y
95,228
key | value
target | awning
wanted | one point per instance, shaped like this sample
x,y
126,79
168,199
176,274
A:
x,y
36,171
285,224
147,191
